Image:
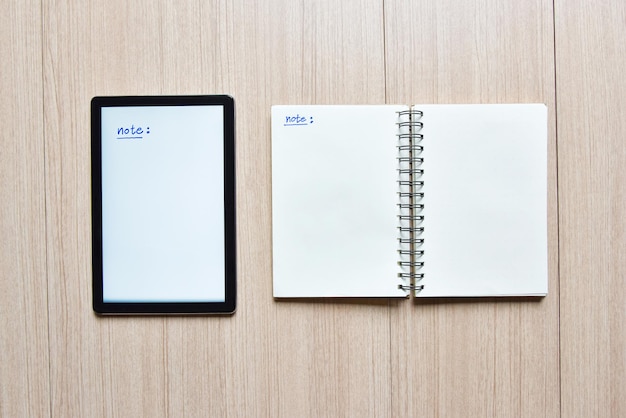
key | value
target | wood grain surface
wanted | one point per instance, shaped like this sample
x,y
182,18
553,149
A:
x,y
24,353
591,93
563,355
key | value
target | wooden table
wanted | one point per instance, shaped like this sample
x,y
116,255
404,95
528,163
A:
x,y
562,356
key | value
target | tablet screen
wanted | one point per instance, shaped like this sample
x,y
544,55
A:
x,y
166,204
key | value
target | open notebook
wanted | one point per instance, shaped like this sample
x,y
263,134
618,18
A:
x,y
388,200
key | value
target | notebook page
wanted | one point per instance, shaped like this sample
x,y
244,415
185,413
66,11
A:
x,y
334,201
485,200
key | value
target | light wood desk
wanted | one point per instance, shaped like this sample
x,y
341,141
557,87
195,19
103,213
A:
x,y
562,356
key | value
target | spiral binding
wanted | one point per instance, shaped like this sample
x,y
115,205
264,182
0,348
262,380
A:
x,y
412,241
408,229
408,288
411,147
411,207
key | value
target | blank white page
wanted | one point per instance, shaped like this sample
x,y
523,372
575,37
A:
x,y
485,200
334,201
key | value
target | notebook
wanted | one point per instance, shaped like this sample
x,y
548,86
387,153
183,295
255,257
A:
x,y
422,200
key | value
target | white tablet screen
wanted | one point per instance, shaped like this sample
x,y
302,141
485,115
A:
x,y
162,204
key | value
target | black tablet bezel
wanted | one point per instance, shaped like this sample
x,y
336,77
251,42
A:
x,y
158,308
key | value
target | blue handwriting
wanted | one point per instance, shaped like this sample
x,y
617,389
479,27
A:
x,y
132,133
298,120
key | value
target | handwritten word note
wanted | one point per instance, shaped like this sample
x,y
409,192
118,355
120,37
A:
x,y
298,120
132,132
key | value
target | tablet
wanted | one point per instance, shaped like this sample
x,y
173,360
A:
x,y
163,204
